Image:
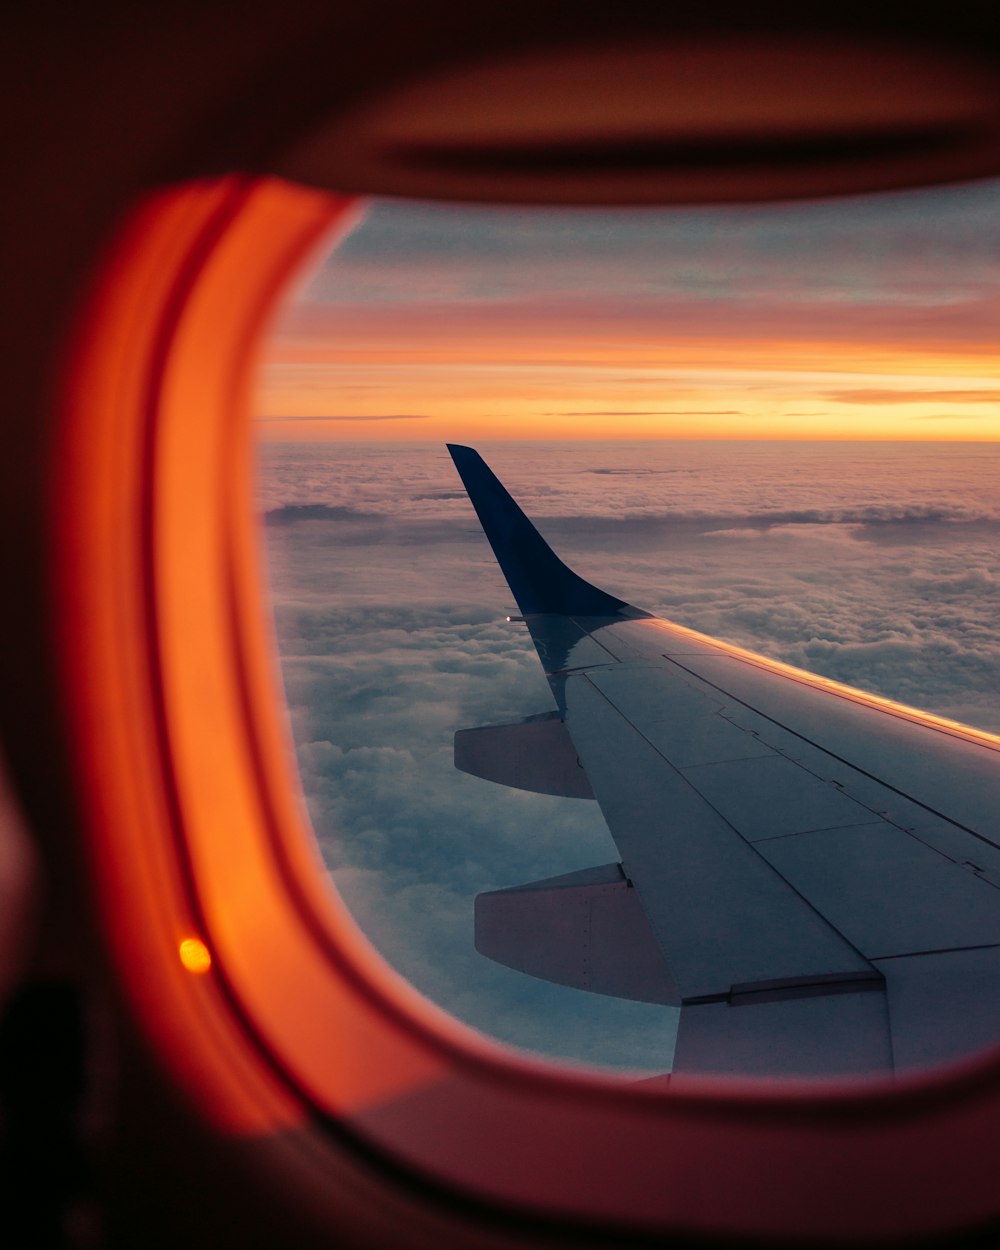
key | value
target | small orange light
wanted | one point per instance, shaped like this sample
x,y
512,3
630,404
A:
x,y
195,955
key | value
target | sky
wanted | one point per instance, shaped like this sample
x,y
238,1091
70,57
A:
x,y
877,564
778,425
853,319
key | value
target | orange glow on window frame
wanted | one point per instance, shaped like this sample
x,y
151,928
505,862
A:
x,y
194,825
195,955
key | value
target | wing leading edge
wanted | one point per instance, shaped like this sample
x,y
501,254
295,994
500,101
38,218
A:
x,y
811,874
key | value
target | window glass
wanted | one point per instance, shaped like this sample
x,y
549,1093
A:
x,y
774,424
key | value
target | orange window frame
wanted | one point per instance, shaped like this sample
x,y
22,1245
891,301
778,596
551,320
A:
x,y
195,827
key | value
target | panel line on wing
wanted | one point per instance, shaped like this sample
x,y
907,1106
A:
x,y
937,950
834,755
798,833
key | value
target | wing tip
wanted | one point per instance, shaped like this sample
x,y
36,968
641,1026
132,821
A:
x,y
538,579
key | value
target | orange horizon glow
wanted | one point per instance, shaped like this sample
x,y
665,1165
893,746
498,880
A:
x,y
482,380
735,341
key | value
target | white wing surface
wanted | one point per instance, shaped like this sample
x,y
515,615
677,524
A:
x,y
811,874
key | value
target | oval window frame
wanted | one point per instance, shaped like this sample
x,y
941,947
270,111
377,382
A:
x,y
196,830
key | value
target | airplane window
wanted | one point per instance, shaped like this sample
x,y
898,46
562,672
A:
x,y
773,425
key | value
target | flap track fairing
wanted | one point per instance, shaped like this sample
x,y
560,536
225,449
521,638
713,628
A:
x,y
534,754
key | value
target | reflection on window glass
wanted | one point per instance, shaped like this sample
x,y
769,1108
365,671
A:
x,y
775,425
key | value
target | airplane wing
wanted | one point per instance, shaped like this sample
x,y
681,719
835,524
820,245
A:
x,y
810,873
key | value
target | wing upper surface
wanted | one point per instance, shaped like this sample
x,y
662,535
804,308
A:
x,y
723,915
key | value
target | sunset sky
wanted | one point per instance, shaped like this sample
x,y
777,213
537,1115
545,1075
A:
x,y
872,319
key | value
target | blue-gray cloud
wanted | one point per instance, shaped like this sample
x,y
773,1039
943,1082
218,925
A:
x,y
904,248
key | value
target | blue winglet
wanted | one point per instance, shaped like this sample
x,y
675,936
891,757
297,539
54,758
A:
x,y
538,579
